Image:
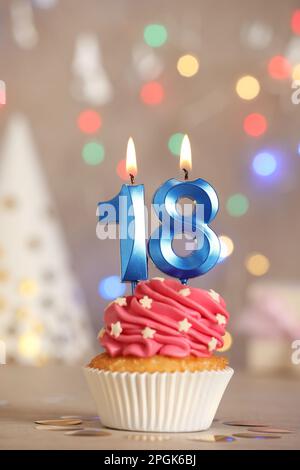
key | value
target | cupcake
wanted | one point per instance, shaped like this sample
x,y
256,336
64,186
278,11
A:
x,y
158,372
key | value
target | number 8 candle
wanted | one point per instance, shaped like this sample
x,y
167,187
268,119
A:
x,y
207,250
129,213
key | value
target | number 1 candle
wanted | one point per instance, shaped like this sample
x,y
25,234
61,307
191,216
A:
x,y
129,213
207,249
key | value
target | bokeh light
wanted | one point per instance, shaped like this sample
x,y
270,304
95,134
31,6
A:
x,y
227,338
227,247
29,345
155,35
93,153
264,164
237,205
298,148
296,72
295,22
111,287
121,170
257,35
188,65
152,93
174,143
255,124
89,121
257,264
2,93
45,4
28,287
279,68
247,87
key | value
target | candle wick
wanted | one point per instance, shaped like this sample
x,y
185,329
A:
x,y
131,178
186,174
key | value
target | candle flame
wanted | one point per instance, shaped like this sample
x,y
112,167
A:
x,y
185,154
131,166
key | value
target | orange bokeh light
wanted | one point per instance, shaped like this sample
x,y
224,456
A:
x,y
121,170
295,22
152,93
255,124
279,68
89,121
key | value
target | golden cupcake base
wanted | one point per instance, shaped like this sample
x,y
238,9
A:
x,y
158,364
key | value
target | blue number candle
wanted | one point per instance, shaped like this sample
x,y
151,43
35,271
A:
x,y
129,213
207,251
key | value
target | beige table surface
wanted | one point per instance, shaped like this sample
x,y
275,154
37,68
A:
x,y
27,394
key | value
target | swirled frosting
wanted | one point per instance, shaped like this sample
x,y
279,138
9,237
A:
x,y
167,318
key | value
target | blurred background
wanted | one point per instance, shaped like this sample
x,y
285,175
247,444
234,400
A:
x,y
77,79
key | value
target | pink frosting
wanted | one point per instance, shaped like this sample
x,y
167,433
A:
x,y
167,318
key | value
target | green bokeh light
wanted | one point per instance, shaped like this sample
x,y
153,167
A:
x,y
155,35
93,153
175,142
237,205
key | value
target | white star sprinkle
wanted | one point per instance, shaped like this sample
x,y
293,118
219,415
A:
x,y
184,325
221,319
146,302
121,301
158,279
214,295
101,333
185,292
116,329
212,344
148,332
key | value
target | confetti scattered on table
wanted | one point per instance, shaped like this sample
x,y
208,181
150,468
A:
x,y
44,427
82,418
246,423
272,430
213,438
249,435
88,432
59,422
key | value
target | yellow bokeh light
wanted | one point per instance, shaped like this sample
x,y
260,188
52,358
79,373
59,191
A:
x,y
227,338
296,72
188,65
28,287
257,264
29,345
22,313
3,304
247,87
227,246
4,276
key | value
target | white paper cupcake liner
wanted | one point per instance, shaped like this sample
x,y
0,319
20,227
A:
x,y
157,402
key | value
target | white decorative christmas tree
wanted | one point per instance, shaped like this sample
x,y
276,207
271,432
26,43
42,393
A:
x,y
43,316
